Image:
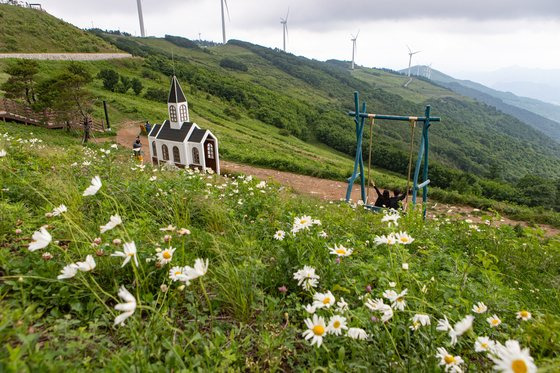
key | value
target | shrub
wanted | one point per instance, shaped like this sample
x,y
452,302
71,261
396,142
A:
x,y
228,63
156,94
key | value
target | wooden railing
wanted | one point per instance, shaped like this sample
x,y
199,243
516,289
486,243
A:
x,y
18,112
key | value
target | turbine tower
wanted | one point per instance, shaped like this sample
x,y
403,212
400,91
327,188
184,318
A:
x,y
354,47
284,22
410,54
141,18
223,19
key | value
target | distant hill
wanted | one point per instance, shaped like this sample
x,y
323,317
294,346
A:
x,y
36,31
540,115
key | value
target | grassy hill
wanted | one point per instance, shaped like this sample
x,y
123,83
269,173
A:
x,y
245,311
34,31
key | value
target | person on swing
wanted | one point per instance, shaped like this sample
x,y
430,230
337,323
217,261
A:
x,y
397,197
383,199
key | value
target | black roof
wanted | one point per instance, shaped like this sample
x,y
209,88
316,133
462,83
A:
x,y
197,135
176,94
154,130
168,133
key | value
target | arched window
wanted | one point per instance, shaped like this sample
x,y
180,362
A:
x,y
176,155
183,113
210,150
154,149
173,113
196,156
165,152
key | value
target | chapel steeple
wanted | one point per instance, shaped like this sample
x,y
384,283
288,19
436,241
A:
x,y
177,105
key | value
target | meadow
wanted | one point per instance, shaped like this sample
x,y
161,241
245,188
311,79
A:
x,y
110,265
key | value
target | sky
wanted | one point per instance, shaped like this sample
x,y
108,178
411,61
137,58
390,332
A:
x,y
458,37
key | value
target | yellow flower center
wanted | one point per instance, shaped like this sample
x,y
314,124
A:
x,y
519,366
484,346
336,324
177,273
400,299
166,255
340,251
524,314
303,221
404,239
327,300
495,321
318,330
449,359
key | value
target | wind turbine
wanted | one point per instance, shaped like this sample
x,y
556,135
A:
x,y
354,47
141,18
223,19
410,54
284,22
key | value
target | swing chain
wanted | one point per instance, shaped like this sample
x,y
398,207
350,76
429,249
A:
x,y
412,127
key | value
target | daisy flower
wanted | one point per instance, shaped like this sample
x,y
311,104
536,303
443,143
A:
x,y
316,330
484,344
200,268
176,274
129,249
261,185
378,305
443,325
302,223
511,358
340,251
166,255
460,328
336,324
3,153
321,300
357,333
419,320
310,309
397,299
68,271
524,315
183,232
87,265
342,306
306,277
41,239
94,187
279,235
114,220
59,210
128,307
479,308
494,321
449,362
391,218
169,228
403,238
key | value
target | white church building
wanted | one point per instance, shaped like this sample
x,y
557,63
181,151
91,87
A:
x,y
180,142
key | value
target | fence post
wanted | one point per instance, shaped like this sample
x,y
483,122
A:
x,y
106,114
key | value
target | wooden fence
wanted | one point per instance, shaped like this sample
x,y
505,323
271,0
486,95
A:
x,y
14,111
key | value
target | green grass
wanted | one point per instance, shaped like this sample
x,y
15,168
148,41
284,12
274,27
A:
x,y
234,317
33,31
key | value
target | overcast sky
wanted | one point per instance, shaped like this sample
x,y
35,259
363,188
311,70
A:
x,y
459,37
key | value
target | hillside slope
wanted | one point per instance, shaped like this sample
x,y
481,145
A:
x,y
34,31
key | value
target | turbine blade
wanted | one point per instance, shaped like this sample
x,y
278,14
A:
x,y
358,33
227,10
287,14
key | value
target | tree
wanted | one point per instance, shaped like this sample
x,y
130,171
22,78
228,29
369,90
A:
x,y
110,78
124,85
21,83
137,86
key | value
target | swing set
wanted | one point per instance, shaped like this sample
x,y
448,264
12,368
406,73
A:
x,y
359,119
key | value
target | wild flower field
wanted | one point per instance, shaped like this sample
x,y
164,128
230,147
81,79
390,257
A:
x,y
109,265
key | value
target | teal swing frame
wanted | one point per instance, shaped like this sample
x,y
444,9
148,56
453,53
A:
x,y
423,151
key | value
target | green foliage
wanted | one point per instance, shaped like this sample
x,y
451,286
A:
x,y
233,64
21,81
156,94
181,42
137,86
109,77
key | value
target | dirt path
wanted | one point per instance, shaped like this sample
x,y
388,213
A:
x,y
321,188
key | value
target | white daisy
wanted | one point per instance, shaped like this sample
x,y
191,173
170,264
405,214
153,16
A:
x,y
357,333
169,228
512,359
321,300
336,324
342,306
41,239
316,330
524,315
166,255
128,307
306,277
59,210
200,268
114,220
310,309
479,308
340,251
391,218
129,249
494,321
3,153
397,299
87,265
68,271
94,187
419,320
484,344
176,274
450,363
403,238
443,325
279,235
378,305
